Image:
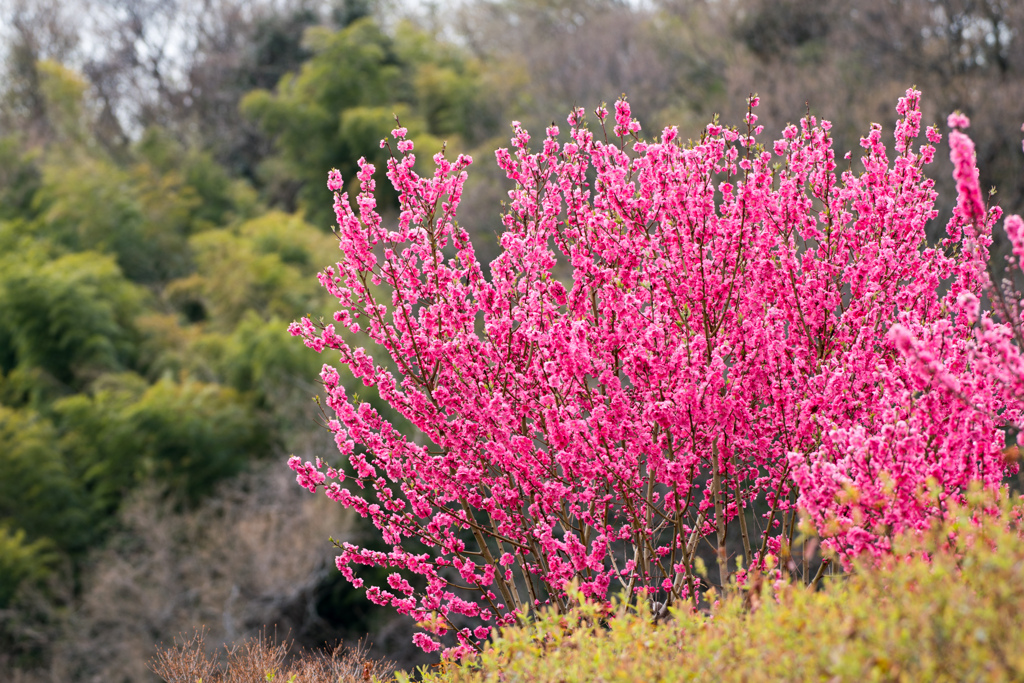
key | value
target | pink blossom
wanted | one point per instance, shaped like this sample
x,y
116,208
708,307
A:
x,y
425,642
958,120
669,333
961,153
334,180
1014,227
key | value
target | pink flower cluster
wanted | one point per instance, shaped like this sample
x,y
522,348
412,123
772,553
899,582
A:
x,y
673,331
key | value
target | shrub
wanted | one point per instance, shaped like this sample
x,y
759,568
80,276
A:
x,y
951,612
674,333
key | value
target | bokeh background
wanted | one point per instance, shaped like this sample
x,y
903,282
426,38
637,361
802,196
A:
x,y
163,212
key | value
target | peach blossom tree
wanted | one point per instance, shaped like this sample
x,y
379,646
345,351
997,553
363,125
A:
x,y
672,331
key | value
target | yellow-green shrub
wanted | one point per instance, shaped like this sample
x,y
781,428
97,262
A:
x,y
956,617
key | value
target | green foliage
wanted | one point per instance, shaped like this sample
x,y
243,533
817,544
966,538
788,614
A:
x,y
139,217
70,317
187,435
212,198
262,265
954,617
195,434
63,91
260,356
343,101
64,478
103,387
96,434
20,177
22,561
143,213
38,492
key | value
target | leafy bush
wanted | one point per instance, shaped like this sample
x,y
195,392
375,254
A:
x,y
70,317
951,612
20,561
39,495
343,99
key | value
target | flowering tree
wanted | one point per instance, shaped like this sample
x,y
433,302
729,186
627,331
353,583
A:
x,y
673,331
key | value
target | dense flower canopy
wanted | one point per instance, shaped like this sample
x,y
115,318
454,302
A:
x,y
674,332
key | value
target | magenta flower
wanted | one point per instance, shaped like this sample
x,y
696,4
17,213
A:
x,y
672,332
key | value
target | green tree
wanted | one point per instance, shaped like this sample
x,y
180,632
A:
x,y
21,561
39,494
142,213
343,100
194,435
187,435
70,317
20,177
264,264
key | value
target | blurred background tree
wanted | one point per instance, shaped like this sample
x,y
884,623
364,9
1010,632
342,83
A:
x,y
345,99
163,212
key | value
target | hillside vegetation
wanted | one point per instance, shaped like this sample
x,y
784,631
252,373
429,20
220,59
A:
x,y
951,612
163,216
